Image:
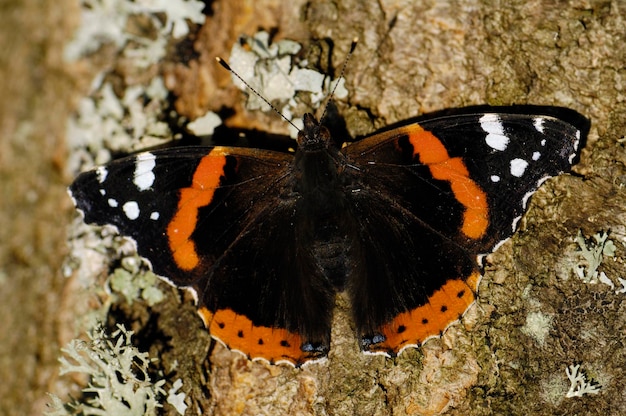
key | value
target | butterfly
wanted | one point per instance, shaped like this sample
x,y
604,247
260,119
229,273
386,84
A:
x,y
399,220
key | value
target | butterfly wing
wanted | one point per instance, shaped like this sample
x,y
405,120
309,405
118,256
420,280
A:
x,y
449,189
200,216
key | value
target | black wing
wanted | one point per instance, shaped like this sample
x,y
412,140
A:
x,y
216,220
432,198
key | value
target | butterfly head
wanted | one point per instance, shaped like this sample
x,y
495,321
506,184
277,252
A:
x,y
313,136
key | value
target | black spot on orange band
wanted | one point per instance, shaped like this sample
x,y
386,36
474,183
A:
x,y
444,307
238,332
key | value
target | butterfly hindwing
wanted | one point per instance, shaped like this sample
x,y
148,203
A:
x,y
393,284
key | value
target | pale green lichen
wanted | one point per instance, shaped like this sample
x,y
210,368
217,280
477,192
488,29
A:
x,y
104,120
135,284
553,389
205,125
177,400
107,21
118,120
593,253
538,326
274,74
580,384
119,383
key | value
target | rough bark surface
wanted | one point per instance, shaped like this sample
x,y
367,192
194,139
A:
x,y
413,57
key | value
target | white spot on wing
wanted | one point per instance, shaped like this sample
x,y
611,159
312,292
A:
x,y
495,139
103,192
497,142
536,155
154,216
112,203
101,173
495,178
518,167
491,123
144,177
538,123
131,209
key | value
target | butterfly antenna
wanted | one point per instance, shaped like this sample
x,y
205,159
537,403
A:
x,y
258,94
343,69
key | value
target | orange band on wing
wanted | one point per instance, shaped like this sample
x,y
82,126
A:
x,y
433,153
238,332
444,307
205,180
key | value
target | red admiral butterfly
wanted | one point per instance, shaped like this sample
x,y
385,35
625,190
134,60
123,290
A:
x,y
399,220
